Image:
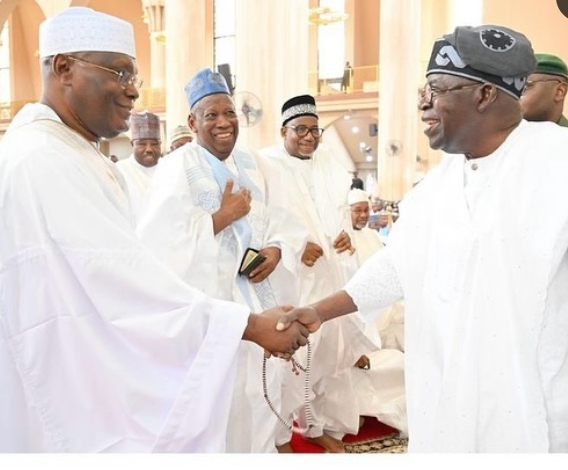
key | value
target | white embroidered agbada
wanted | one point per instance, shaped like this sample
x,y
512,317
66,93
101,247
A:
x,y
177,225
102,347
137,178
486,304
317,193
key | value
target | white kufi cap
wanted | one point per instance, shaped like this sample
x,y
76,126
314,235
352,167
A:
x,y
79,29
357,195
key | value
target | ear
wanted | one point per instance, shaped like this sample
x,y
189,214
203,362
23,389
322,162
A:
x,y
191,122
283,132
61,67
487,95
561,90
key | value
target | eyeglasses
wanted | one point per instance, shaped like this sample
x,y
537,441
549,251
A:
x,y
124,78
428,92
531,83
302,130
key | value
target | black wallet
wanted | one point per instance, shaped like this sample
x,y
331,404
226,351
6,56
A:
x,y
251,259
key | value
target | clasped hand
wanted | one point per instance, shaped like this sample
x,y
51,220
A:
x,y
282,330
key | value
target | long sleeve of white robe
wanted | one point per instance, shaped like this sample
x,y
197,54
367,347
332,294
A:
x,y
177,225
102,348
486,310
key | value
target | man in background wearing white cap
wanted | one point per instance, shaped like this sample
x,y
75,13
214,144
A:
x,y
139,168
179,136
486,310
207,205
102,347
316,185
378,379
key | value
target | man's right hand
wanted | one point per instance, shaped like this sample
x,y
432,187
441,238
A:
x,y
311,254
261,329
233,207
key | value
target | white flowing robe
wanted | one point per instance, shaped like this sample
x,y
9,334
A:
x,y
317,192
177,225
483,271
102,347
137,178
380,389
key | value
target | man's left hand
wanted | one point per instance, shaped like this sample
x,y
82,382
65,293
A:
x,y
264,269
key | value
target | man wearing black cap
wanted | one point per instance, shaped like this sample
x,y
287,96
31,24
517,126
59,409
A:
x,y
485,294
545,90
317,185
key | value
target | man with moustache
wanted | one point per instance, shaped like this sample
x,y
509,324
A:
x,y
316,186
142,163
486,310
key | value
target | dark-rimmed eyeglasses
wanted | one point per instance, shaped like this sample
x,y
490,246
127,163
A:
x,y
531,83
124,78
302,130
427,93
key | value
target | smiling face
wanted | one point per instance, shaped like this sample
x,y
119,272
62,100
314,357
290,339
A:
x,y
450,116
147,152
301,147
215,124
94,102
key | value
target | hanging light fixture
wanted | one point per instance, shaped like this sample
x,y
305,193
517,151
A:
x,y
323,16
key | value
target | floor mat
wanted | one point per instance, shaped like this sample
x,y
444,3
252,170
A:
x,y
374,437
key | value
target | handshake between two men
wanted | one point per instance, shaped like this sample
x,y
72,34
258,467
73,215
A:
x,y
283,330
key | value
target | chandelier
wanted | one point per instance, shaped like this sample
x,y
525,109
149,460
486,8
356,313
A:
x,y
322,16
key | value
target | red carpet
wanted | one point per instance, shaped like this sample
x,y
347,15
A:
x,y
371,429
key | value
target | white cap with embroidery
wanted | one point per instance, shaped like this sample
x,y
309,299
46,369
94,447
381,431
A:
x,y
79,29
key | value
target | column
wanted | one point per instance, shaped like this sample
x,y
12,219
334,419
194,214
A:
x,y
398,85
188,50
154,14
271,61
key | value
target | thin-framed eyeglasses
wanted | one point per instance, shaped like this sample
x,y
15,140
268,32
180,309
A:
x,y
428,92
531,83
124,78
302,130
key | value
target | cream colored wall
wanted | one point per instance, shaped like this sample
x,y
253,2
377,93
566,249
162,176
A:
x,y
540,21
25,72
365,18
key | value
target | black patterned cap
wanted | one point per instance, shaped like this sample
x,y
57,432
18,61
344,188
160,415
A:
x,y
303,105
487,53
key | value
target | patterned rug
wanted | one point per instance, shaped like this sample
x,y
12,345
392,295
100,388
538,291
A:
x,y
374,437
385,445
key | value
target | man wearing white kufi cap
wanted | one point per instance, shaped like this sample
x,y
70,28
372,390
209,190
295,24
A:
x,y
102,347
379,388
140,166
180,135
